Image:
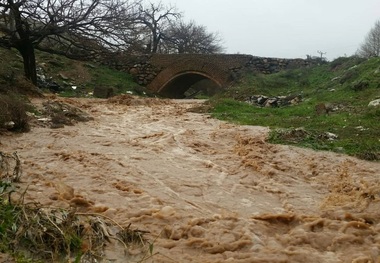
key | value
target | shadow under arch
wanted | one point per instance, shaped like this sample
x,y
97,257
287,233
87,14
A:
x,y
177,86
175,80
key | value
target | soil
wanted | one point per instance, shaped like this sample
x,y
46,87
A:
x,y
206,190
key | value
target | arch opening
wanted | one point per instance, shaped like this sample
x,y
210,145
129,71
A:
x,y
188,84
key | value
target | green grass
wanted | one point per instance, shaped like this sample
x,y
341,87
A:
x,y
356,125
121,81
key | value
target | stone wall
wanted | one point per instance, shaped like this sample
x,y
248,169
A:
x,y
273,65
145,68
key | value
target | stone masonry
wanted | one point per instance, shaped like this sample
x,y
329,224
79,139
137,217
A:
x,y
155,71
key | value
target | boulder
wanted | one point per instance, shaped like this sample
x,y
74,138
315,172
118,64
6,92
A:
x,y
104,92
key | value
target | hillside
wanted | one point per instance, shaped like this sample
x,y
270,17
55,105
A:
x,y
59,75
329,110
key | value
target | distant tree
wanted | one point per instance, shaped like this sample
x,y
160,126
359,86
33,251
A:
x,y
62,26
371,45
191,38
155,19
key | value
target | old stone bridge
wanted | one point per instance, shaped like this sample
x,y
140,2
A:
x,y
171,75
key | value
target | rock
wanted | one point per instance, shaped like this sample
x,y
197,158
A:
x,y
273,102
361,128
133,71
9,125
353,67
323,108
62,76
89,65
328,136
264,101
374,103
44,119
292,100
104,92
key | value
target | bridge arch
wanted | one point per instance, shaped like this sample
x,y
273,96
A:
x,y
178,84
176,79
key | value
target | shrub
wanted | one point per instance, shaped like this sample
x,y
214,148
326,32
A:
x,y
349,75
360,85
345,62
13,113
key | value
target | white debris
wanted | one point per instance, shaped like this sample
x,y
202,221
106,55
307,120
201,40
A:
x,y
374,103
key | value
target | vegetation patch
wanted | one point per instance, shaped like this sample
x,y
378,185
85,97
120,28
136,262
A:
x,y
332,114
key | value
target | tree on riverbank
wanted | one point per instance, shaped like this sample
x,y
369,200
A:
x,y
68,27
189,37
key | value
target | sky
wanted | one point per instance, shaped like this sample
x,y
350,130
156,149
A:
x,y
284,28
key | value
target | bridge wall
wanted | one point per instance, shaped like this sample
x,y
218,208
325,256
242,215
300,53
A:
x,y
148,70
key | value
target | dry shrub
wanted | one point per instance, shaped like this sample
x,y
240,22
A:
x,y
59,235
13,113
10,167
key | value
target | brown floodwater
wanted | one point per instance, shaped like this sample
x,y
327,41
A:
x,y
205,190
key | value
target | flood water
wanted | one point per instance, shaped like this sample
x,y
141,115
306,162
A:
x,y
206,190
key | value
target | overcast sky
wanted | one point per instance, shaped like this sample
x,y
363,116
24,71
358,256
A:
x,y
284,28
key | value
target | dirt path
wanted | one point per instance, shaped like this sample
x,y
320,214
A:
x,y
207,191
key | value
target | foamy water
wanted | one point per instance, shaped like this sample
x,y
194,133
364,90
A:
x,y
206,190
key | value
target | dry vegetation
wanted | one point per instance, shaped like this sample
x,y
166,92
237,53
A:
x,y
29,230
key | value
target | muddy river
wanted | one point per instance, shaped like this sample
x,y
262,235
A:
x,y
205,190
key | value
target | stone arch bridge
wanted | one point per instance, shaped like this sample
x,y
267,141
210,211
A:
x,y
171,75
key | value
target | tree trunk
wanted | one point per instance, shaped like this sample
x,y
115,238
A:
x,y
26,50
156,41
155,44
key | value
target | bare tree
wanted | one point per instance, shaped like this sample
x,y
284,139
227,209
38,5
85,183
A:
x,y
156,19
371,45
191,38
61,26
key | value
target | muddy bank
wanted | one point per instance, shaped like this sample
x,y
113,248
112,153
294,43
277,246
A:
x,y
206,190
